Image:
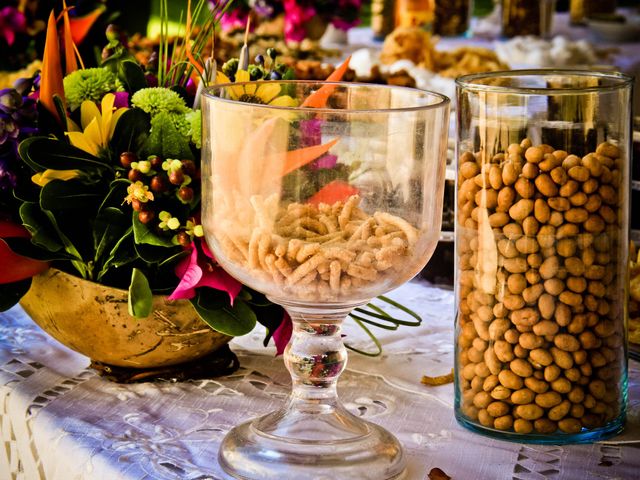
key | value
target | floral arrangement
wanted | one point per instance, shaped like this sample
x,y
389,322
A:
x,y
100,170
342,14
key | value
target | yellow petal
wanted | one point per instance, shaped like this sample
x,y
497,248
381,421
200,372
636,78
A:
x,y
73,126
222,78
45,177
268,91
79,140
114,121
284,101
107,113
93,133
88,111
242,76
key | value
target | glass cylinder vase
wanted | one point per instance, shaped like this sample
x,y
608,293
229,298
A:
x,y
542,241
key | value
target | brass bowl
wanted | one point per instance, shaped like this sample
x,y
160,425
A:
x,y
93,320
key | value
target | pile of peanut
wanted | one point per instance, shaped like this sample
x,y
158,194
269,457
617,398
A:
x,y
540,340
323,252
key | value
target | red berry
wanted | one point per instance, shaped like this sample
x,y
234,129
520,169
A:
x,y
176,177
156,162
185,194
189,167
126,158
135,175
159,183
146,216
184,239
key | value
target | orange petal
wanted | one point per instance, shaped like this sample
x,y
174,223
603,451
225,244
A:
x,y
319,98
70,63
51,77
80,26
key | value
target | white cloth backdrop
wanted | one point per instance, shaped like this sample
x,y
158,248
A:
x,y
60,421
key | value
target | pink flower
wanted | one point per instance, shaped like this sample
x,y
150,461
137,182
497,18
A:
x,y
295,17
282,335
198,270
236,19
12,21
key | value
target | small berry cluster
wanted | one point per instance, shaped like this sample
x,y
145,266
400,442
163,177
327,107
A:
x,y
155,185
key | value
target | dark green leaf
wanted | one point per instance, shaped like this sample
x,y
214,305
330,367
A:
x,y
43,233
60,108
69,247
155,254
235,321
42,153
109,227
70,195
140,296
131,131
121,254
143,234
132,76
11,293
116,195
24,247
47,122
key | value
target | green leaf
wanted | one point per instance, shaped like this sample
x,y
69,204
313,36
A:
x,y
11,293
143,234
140,296
42,153
222,317
121,254
131,131
24,247
154,254
132,76
70,195
69,247
109,227
116,195
43,233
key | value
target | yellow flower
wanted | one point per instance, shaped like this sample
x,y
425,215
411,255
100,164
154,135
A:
x,y
262,93
98,127
45,177
138,191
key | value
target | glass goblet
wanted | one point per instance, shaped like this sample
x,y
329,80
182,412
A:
x,y
321,196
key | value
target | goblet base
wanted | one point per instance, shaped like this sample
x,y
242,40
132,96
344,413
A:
x,y
323,443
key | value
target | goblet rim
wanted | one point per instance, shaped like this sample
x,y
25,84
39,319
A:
x,y
472,82
443,100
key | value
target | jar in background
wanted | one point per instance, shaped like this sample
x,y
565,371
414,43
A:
x,y
451,17
382,18
414,13
580,10
542,236
527,17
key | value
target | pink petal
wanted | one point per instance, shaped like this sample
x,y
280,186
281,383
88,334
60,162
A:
x,y
282,335
205,249
221,280
191,274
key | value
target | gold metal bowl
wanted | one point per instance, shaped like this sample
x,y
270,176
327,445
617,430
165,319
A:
x,y
93,320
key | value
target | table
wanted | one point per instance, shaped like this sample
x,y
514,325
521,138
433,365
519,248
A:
x,y
60,421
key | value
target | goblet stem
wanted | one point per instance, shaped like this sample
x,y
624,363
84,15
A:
x,y
313,436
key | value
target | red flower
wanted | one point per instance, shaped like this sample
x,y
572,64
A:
x,y
15,267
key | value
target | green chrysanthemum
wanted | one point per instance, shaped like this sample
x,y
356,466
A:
x,y
195,127
89,84
159,100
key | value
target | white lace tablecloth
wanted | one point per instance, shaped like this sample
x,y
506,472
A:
x,y
60,421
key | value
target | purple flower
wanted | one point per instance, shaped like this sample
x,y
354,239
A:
x,y
326,161
8,129
10,100
12,21
8,178
121,100
310,132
